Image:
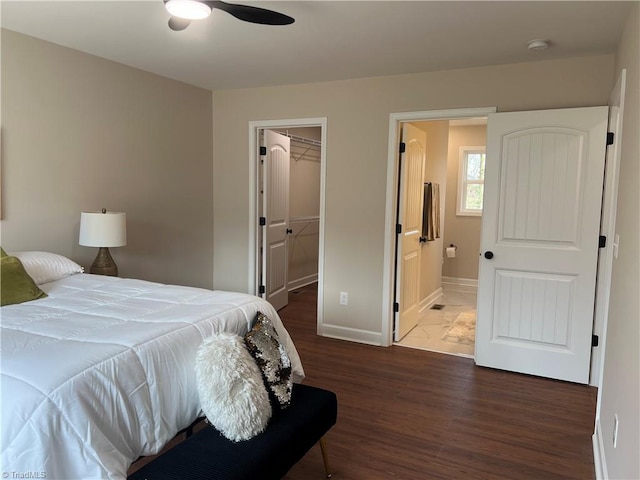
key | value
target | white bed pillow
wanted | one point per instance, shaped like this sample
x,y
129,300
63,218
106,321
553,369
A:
x,y
46,267
232,393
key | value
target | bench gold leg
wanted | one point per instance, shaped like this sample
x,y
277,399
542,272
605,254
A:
x,y
325,457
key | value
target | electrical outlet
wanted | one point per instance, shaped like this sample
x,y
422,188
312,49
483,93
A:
x,y
344,298
615,430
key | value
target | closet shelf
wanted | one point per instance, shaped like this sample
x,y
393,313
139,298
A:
x,y
297,138
307,219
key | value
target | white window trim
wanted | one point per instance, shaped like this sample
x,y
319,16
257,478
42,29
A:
x,y
462,182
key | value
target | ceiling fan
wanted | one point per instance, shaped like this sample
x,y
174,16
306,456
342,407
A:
x,y
184,11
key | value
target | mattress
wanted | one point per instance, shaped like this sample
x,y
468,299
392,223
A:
x,y
101,372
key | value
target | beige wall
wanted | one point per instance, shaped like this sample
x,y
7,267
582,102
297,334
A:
x,y
81,133
463,231
436,172
357,113
621,380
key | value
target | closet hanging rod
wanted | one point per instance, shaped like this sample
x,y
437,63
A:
x,y
309,141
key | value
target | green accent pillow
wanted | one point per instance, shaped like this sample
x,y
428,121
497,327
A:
x,y
2,253
16,286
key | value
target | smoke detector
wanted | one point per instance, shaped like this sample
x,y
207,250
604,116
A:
x,y
538,45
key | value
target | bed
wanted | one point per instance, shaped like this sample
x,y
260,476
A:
x,y
100,372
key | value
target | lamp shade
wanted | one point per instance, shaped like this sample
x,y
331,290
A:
x,y
108,229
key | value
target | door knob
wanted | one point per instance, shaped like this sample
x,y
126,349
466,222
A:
x,y
488,255
289,230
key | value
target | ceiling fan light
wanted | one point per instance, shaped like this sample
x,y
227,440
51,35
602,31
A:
x,y
189,9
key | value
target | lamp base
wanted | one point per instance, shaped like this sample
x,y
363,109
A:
x,y
104,264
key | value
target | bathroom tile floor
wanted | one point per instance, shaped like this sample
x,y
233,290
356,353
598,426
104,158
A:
x,y
433,324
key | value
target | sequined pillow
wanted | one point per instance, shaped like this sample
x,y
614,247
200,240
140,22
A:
x,y
264,345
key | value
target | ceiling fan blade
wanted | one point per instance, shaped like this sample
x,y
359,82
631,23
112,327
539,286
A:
x,y
177,24
252,14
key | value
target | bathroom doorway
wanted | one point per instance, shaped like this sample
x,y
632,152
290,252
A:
x,y
447,276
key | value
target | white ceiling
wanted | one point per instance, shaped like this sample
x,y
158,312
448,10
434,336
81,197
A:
x,y
329,40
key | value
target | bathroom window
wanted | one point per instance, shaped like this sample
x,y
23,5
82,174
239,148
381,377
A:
x,y
471,181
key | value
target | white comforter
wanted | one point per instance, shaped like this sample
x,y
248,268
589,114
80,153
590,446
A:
x,y
101,372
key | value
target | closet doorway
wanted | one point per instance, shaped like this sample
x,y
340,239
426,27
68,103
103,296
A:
x,y
289,164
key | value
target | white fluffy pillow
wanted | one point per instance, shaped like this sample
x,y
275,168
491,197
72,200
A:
x,y
232,392
46,267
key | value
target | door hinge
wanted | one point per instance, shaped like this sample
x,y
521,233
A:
x,y
610,138
594,340
398,228
602,241
263,221
403,147
396,307
261,289
263,150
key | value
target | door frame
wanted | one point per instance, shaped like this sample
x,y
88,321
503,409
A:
x,y
390,236
606,260
608,229
254,161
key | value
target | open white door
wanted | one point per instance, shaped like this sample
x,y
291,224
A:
x,y
411,201
540,231
275,207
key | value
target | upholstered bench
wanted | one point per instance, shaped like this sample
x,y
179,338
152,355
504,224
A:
x,y
290,434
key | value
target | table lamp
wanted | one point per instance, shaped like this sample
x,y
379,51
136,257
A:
x,y
103,229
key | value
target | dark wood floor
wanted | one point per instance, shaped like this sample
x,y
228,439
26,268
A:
x,y
412,414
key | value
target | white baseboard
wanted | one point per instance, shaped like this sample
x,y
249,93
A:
x,y
428,301
350,334
599,459
469,285
302,282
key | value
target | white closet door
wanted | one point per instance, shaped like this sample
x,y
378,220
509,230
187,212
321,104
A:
x,y
276,213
